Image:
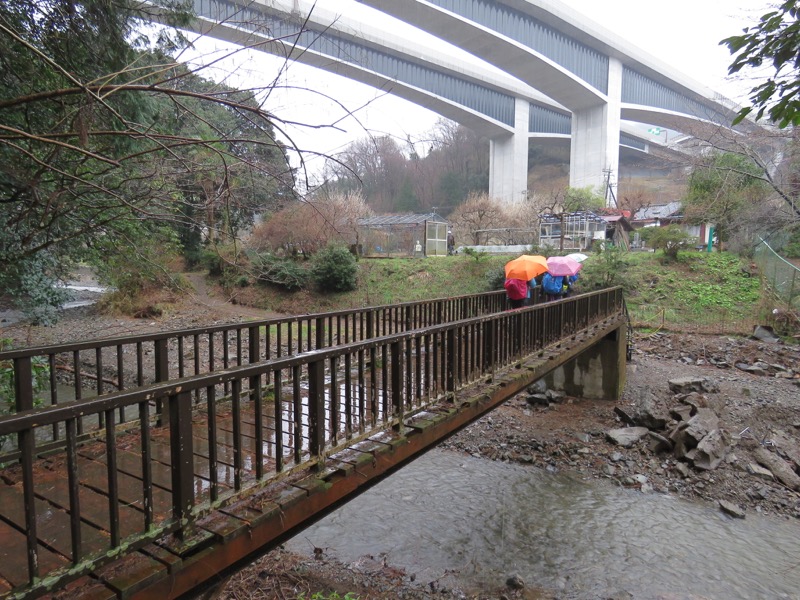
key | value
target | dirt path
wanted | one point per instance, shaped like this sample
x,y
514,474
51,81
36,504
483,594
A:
x,y
211,298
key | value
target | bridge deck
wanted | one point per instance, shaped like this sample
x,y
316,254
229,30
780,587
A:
x,y
152,507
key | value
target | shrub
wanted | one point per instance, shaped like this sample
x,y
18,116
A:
x,y
608,271
495,278
671,239
334,269
282,272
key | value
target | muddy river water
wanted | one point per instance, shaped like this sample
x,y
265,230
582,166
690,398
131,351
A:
x,y
487,520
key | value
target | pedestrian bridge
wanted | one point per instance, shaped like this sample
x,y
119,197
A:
x,y
144,466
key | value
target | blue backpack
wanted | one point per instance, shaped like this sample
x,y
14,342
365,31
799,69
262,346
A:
x,y
552,285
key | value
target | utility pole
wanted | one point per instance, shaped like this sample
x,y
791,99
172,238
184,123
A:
x,y
609,194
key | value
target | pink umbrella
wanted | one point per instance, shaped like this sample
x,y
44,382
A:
x,y
562,266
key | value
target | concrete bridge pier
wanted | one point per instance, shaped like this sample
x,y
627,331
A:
x,y
508,158
595,137
598,372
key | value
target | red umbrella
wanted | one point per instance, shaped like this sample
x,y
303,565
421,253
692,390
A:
x,y
563,266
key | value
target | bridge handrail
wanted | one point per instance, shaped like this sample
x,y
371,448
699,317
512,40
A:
x,y
173,333
322,401
280,335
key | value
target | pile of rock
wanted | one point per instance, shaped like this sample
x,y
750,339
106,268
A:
x,y
689,428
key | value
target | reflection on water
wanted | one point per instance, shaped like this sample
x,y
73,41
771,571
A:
x,y
487,520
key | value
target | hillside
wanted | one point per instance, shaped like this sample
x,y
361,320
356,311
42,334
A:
x,y
712,293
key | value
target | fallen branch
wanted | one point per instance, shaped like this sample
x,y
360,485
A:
x,y
113,382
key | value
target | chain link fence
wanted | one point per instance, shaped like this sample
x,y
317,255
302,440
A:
x,y
782,277
711,322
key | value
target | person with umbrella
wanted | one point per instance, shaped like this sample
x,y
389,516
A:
x,y
557,281
519,272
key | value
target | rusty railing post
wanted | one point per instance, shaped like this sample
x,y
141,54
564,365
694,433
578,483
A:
x,y
316,411
161,350
181,453
397,385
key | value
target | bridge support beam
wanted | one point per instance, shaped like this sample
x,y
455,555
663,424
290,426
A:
x,y
598,372
508,158
595,137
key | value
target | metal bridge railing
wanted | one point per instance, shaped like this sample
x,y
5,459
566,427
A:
x,y
256,423
95,368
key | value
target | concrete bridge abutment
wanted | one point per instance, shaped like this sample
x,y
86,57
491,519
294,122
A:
x,y
598,372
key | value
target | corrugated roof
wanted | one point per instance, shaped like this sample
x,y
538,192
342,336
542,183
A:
x,y
414,219
658,211
583,215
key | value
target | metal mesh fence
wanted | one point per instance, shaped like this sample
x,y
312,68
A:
x,y
719,321
779,274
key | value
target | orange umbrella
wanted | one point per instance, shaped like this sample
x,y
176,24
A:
x,y
526,267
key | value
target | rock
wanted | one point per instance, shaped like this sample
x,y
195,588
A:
x,y
684,385
701,424
537,399
731,509
624,416
515,582
755,370
687,435
681,413
765,334
711,451
779,467
648,411
658,443
760,472
626,436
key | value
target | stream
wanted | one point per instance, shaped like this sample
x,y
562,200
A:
x,y
487,520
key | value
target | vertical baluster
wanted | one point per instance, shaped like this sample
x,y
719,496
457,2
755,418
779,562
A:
x,y
278,406
211,428
120,379
196,349
348,396
73,484
23,394
334,400
225,358
139,364
418,369
147,463
385,398
297,408
362,393
255,387
181,368
397,383
112,475
316,411
409,372
181,454
76,367
162,374
373,385
236,414
51,365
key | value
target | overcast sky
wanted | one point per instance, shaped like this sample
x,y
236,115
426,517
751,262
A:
x,y
682,33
